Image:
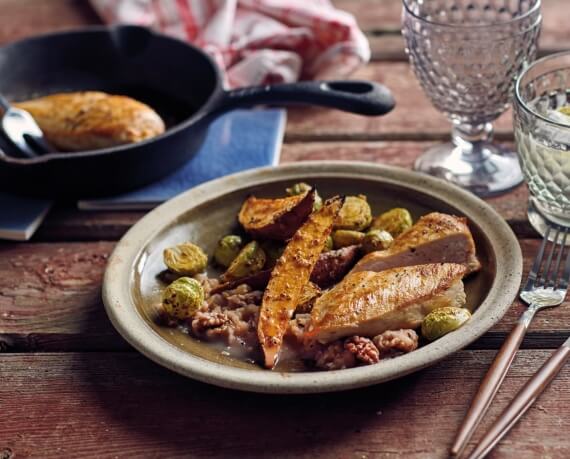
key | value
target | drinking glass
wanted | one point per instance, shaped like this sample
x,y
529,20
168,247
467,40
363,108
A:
x,y
542,134
466,55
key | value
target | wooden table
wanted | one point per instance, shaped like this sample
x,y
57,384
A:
x,y
70,386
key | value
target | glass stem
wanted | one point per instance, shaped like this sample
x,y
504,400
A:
x,y
471,138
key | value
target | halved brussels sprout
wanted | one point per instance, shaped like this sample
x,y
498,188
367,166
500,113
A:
x,y
355,214
182,298
442,321
377,240
250,260
227,249
395,221
344,238
302,187
185,259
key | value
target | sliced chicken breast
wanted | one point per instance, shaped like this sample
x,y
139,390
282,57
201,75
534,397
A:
x,y
90,120
368,303
435,238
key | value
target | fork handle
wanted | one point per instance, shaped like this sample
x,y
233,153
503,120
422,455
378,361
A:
x,y
523,401
491,383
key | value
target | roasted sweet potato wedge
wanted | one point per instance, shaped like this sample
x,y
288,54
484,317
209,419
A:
x,y
276,218
289,277
334,264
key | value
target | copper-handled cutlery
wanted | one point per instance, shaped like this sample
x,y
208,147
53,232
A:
x,y
523,401
544,288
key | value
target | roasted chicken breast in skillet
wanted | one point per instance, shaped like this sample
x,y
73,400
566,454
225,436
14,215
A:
x,y
368,303
90,120
435,238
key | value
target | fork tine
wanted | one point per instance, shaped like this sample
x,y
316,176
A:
x,y
554,279
546,276
563,283
537,262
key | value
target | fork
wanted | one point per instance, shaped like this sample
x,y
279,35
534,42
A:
x,y
540,291
22,130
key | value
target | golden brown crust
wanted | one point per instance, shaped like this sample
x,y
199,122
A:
x,y
289,277
366,296
430,228
90,120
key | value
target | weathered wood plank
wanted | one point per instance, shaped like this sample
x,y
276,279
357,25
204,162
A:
x,y
65,224
390,46
50,297
380,18
69,224
512,206
24,18
50,301
414,118
123,405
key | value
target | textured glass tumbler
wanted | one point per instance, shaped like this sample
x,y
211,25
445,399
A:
x,y
542,135
467,55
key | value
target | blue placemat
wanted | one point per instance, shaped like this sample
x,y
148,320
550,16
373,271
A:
x,y
238,140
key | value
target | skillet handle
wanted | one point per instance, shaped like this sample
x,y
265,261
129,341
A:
x,y
356,96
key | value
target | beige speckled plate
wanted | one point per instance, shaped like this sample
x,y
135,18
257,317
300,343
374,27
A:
x,y
131,289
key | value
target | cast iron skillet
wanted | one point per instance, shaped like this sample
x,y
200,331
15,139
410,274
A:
x,y
178,80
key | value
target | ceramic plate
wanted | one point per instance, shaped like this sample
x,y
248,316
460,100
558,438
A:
x,y
203,214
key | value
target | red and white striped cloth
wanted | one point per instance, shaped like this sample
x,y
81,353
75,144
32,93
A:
x,y
255,41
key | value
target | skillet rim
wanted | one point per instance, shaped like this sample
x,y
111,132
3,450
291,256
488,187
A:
x,y
200,114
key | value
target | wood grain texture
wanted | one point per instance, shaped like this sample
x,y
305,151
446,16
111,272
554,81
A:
x,y
50,297
50,301
382,18
68,224
24,18
414,118
123,405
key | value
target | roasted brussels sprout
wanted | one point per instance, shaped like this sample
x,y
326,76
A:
x,y
377,240
227,249
344,238
182,298
250,260
395,221
273,250
355,214
185,259
300,188
442,321
329,244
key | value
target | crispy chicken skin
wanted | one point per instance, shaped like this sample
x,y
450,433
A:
x,y
435,238
368,303
90,120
